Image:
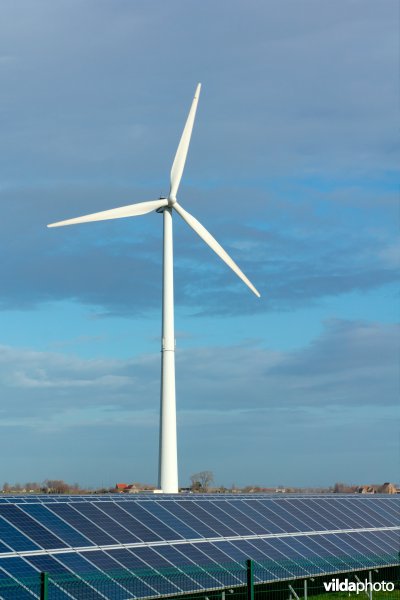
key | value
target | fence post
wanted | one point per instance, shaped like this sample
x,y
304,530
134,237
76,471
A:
x,y
293,591
250,579
44,586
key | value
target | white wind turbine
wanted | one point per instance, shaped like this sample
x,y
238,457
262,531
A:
x,y
168,462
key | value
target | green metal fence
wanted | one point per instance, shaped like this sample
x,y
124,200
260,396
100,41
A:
x,y
220,582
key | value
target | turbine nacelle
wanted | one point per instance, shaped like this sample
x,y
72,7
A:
x,y
170,203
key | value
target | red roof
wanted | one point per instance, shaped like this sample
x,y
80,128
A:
x,y
121,486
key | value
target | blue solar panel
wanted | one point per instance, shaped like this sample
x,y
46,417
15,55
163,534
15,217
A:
x,y
140,588
174,556
154,559
165,516
15,539
9,584
179,511
8,591
83,525
77,563
144,556
49,564
217,510
274,519
120,516
237,509
203,514
192,542
113,527
64,531
30,527
158,528
18,568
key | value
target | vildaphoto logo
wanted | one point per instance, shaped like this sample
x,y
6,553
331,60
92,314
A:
x,y
335,585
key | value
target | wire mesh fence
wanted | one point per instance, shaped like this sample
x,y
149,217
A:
x,y
220,582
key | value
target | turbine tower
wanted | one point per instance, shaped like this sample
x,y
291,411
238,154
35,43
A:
x,y
168,461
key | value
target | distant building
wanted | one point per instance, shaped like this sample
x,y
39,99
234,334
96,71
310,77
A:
x,y
366,489
388,488
133,488
120,487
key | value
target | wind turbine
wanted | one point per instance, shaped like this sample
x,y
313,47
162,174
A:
x,y
168,461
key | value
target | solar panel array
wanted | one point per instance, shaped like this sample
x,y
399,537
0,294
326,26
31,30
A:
x,y
290,536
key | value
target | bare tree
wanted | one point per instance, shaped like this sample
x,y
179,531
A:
x,y
201,481
56,486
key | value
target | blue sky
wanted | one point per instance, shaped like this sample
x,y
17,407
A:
x,y
292,167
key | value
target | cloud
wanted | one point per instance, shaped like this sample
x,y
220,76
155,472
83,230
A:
x,y
305,87
291,162
297,254
267,416
352,364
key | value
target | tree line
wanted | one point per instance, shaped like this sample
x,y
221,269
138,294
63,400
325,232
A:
x,y
48,486
201,482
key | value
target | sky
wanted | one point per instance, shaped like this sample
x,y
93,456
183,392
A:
x,y
292,167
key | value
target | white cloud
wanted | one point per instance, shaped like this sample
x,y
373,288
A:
x,y
244,400
351,364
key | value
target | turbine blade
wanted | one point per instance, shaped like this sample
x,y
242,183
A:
x,y
132,210
181,153
214,245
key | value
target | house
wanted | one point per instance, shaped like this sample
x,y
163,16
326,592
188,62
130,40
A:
x,y
120,487
366,489
133,488
388,488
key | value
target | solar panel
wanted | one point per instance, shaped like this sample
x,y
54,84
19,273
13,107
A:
x,y
191,542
